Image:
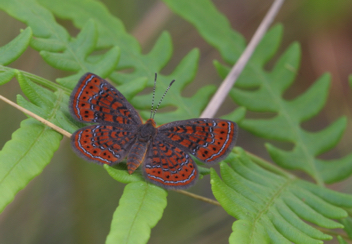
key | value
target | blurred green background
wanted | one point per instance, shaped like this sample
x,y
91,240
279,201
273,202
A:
x,y
72,201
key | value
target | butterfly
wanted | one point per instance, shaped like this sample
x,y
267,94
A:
x,y
163,152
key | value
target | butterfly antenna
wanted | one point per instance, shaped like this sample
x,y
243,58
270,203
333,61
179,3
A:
x,y
151,110
163,97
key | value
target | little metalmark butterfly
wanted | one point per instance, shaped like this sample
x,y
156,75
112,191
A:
x,y
163,151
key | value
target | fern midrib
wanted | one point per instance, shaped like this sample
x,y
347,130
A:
x,y
269,204
51,115
39,80
295,129
136,214
20,159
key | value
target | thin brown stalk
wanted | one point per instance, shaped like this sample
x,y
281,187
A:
x,y
33,115
67,134
195,196
236,70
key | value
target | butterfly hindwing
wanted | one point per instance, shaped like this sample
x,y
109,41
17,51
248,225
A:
x,y
105,144
96,100
168,166
209,140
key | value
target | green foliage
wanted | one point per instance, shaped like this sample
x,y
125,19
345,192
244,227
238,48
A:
x,y
15,48
6,76
272,207
33,144
286,124
119,173
64,52
57,47
261,91
24,157
347,222
212,25
112,33
341,240
140,208
11,52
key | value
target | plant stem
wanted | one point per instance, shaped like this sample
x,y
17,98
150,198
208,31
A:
x,y
33,115
195,196
236,70
269,166
39,80
67,134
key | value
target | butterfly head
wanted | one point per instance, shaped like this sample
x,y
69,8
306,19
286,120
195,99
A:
x,y
150,122
152,113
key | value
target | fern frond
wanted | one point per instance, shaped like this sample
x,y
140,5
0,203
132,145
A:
x,y
57,47
74,54
261,91
16,47
286,125
140,208
229,43
341,240
32,145
112,33
347,222
10,52
272,208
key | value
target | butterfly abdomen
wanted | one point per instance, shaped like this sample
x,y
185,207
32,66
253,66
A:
x,y
136,155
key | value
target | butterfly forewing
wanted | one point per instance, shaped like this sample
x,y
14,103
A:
x,y
96,100
168,166
105,144
209,140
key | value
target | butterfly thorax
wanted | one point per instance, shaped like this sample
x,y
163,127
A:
x,y
146,131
